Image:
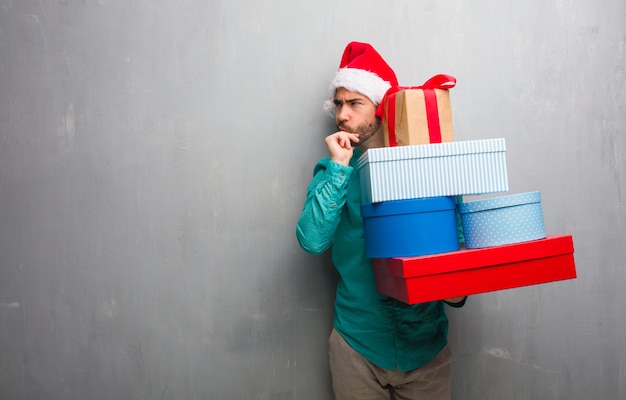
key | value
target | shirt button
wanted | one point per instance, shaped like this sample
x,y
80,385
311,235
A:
x,y
342,175
335,205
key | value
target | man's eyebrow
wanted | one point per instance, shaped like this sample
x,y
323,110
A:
x,y
352,100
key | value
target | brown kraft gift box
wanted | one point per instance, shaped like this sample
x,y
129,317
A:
x,y
411,122
419,114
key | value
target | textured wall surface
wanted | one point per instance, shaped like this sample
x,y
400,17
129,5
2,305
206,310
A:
x,y
154,158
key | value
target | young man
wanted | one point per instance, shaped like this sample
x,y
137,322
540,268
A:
x,y
379,348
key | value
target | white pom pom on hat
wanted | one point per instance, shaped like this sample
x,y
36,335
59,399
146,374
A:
x,y
362,70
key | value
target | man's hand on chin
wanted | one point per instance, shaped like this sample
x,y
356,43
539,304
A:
x,y
340,146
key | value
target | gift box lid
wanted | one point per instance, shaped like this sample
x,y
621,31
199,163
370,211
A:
x,y
431,150
408,267
410,206
500,202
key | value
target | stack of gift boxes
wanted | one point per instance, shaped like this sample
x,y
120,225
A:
x,y
412,192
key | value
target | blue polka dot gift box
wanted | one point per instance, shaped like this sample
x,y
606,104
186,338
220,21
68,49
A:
x,y
502,220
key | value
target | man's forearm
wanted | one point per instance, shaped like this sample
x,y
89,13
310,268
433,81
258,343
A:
x,y
456,301
322,211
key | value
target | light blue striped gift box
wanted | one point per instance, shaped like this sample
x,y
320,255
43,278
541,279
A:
x,y
432,170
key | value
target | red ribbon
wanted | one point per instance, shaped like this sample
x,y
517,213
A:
x,y
441,81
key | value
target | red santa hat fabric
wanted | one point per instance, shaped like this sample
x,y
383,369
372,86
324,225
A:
x,y
362,70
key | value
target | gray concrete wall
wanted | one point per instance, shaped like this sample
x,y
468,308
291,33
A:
x,y
154,158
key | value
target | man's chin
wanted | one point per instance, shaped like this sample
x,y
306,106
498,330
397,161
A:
x,y
363,139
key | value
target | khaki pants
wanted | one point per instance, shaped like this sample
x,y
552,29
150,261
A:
x,y
355,378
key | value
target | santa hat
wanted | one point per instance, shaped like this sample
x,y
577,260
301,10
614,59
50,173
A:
x,y
362,70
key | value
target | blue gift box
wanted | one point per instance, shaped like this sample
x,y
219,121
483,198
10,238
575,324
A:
x,y
502,220
414,227
433,170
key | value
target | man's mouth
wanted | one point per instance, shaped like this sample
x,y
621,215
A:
x,y
344,128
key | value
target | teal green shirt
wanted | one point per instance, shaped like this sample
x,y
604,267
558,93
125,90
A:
x,y
387,332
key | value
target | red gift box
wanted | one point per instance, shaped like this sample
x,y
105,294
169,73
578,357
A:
x,y
470,271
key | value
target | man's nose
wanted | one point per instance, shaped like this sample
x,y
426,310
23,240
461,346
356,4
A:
x,y
343,114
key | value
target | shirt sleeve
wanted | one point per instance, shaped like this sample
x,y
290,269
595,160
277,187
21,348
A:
x,y
322,209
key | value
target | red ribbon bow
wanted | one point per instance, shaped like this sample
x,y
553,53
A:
x,y
440,81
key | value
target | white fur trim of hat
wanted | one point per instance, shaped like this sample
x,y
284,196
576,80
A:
x,y
357,80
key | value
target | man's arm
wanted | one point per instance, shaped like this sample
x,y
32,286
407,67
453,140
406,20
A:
x,y
326,195
321,213
456,301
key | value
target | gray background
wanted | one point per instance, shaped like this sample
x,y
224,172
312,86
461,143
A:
x,y
154,157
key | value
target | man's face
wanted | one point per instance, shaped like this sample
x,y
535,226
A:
x,y
356,113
